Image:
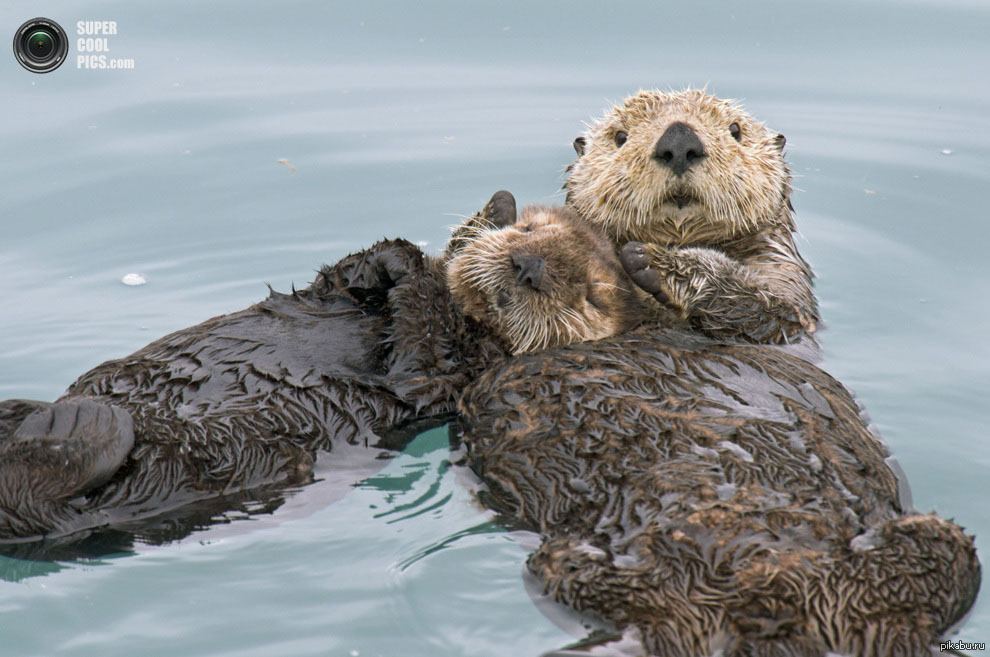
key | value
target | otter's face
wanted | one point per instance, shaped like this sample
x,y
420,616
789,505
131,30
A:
x,y
679,168
546,280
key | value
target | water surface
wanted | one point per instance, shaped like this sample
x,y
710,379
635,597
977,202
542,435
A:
x,y
397,119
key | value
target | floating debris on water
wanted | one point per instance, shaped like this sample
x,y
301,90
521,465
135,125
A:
x,y
946,151
284,162
133,279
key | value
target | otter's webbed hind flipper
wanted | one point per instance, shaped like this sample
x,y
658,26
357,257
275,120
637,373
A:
x,y
56,453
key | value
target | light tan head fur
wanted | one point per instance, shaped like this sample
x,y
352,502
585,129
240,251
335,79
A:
x,y
739,187
582,292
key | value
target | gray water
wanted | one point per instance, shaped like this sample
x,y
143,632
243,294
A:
x,y
398,118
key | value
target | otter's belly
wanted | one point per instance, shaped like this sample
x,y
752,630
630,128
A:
x,y
639,434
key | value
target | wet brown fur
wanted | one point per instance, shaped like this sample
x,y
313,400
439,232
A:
x,y
726,261
709,496
713,497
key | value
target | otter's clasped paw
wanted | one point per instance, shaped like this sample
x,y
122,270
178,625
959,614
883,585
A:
x,y
636,261
371,273
397,261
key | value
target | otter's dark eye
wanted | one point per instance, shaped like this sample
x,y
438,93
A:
x,y
735,132
593,302
621,137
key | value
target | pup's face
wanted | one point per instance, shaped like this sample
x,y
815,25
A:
x,y
546,280
678,168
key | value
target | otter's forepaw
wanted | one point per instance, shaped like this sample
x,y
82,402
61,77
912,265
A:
x,y
374,271
636,261
396,261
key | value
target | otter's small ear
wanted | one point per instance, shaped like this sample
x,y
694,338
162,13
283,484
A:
x,y
501,209
579,146
780,140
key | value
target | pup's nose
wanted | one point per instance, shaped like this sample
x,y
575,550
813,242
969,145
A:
x,y
678,148
529,270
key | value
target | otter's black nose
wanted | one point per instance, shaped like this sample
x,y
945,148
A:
x,y
529,270
679,148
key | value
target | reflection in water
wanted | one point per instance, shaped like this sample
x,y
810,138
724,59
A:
x,y
397,487
447,541
413,483
30,558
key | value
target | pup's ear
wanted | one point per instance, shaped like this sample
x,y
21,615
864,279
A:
x,y
501,209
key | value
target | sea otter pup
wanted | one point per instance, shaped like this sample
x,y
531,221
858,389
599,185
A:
x,y
697,196
705,499
544,279
374,350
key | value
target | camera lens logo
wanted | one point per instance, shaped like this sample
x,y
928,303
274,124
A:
x,y
40,45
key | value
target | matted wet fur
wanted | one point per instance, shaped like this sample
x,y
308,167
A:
x,y
372,352
713,497
706,497
697,194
